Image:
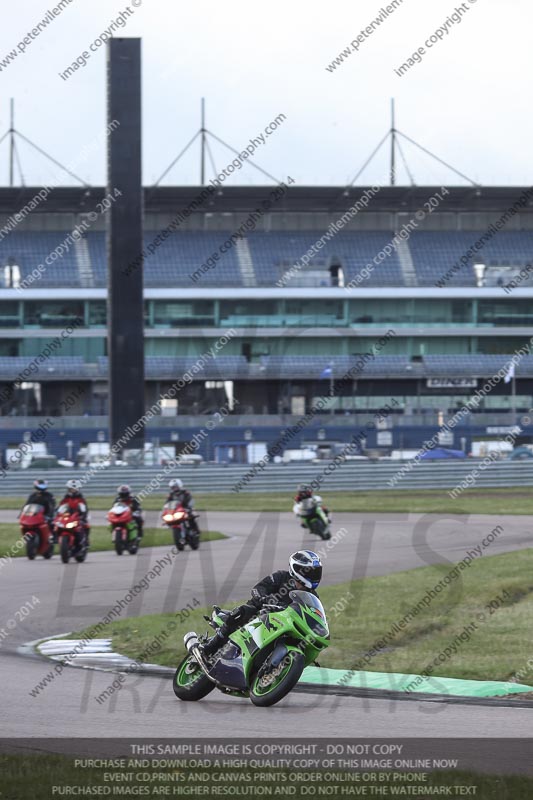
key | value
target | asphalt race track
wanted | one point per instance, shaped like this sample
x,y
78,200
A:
x,y
74,596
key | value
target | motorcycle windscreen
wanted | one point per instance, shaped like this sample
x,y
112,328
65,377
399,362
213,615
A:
x,y
119,508
317,621
171,506
33,508
64,509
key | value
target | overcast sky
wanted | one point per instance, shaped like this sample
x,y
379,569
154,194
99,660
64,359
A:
x,y
468,100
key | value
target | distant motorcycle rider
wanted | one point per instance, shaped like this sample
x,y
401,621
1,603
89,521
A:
x,y
303,493
304,574
41,496
75,500
125,496
180,494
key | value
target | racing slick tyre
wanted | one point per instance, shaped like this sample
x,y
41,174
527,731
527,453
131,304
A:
x,y
65,549
178,538
268,688
32,546
189,682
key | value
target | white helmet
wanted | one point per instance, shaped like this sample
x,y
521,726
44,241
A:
x,y
73,486
305,566
175,485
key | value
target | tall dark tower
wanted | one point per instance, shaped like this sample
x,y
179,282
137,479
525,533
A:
x,y
125,241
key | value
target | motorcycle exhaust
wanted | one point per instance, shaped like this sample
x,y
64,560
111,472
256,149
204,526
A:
x,y
191,640
191,643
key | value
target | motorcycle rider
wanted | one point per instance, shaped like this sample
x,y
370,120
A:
x,y
180,494
76,502
304,574
125,496
44,498
304,492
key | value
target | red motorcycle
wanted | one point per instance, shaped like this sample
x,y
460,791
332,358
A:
x,y
71,530
176,517
36,531
124,529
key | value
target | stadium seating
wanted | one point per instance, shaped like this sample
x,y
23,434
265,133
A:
x,y
317,367
14,367
172,368
474,365
434,253
385,366
179,256
30,249
272,255
278,367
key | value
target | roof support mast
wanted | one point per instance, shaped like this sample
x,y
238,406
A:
x,y
203,132
12,144
394,133
392,146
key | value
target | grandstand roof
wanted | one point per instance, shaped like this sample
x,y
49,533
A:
x,y
298,198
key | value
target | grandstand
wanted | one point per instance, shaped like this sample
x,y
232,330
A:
x,y
454,325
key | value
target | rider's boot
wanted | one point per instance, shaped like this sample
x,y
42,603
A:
x,y
214,643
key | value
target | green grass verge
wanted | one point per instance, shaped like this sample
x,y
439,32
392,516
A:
x,y
33,778
496,649
508,500
100,538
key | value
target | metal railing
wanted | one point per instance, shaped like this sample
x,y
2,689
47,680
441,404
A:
x,y
279,421
350,477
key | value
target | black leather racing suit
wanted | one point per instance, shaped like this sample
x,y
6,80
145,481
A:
x,y
45,499
275,589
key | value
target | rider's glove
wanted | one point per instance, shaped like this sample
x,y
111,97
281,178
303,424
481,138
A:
x,y
256,600
243,611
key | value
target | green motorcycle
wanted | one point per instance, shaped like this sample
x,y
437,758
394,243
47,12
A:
x,y
314,518
263,660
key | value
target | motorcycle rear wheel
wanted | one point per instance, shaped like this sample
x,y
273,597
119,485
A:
x,y
189,682
281,685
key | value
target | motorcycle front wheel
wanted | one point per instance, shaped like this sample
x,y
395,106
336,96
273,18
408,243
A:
x,y
178,538
271,687
189,682
193,539
65,549
82,554
32,546
319,527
